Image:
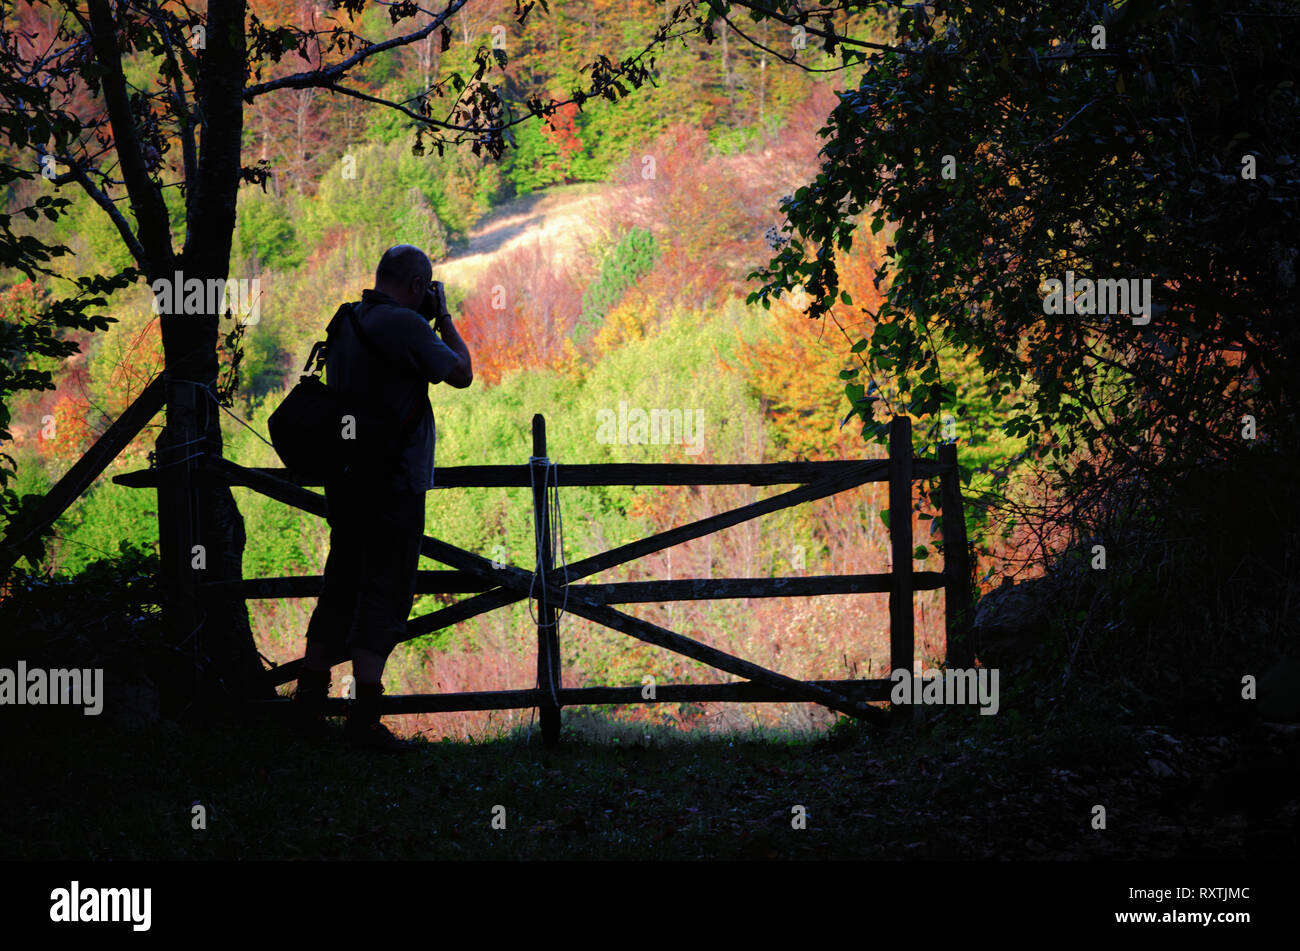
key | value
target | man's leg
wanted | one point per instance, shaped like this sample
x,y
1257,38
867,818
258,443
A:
x,y
391,554
330,622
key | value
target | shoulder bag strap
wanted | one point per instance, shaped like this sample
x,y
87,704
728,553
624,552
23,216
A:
x,y
316,357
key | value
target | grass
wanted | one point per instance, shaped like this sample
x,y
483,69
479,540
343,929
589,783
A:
x,y
949,787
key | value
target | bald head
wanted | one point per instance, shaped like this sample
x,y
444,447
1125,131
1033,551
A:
x,y
404,274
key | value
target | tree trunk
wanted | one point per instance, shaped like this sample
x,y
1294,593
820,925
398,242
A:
x,y
231,668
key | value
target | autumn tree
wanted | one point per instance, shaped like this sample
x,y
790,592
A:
x,y
798,367
519,315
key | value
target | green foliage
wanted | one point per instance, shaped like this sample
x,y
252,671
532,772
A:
x,y
98,245
535,161
106,521
615,133
264,231
384,194
385,126
366,191
1111,163
416,223
729,141
633,256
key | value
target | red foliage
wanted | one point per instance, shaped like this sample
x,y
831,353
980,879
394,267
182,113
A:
x,y
520,313
561,130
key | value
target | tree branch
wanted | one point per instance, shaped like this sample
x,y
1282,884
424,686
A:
x,y
842,40
322,78
596,90
188,150
79,175
388,103
146,199
781,56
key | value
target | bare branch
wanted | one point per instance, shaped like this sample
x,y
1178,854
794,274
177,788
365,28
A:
x,y
146,199
79,175
322,78
842,40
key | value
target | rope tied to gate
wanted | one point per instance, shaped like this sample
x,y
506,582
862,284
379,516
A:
x,y
551,500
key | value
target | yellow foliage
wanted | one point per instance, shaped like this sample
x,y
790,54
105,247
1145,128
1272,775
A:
x,y
628,321
570,362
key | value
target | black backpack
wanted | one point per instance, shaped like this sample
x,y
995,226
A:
x,y
308,428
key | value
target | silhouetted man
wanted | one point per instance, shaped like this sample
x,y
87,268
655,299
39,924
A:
x,y
376,516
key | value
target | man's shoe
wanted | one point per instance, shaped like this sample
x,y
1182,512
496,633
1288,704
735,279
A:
x,y
364,731
308,704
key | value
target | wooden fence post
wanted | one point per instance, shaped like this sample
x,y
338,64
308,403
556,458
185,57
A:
x,y
548,642
956,564
902,646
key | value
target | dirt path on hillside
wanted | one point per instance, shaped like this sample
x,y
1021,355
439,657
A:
x,y
565,220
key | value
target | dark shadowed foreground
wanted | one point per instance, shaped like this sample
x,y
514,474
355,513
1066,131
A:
x,y
1002,788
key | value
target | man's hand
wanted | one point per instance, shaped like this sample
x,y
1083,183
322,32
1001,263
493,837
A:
x,y
428,305
434,303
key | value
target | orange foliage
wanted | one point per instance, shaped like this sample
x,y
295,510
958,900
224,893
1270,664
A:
x,y
629,320
69,433
795,368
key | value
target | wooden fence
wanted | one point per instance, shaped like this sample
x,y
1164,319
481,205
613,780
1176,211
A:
x,y
492,587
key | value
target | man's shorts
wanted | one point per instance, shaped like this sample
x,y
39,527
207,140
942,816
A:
x,y
370,572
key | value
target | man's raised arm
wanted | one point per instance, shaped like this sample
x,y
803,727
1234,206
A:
x,y
463,375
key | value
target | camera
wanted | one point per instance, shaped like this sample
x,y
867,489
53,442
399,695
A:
x,y
430,305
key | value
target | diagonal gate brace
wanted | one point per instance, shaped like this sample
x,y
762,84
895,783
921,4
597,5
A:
x,y
520,581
